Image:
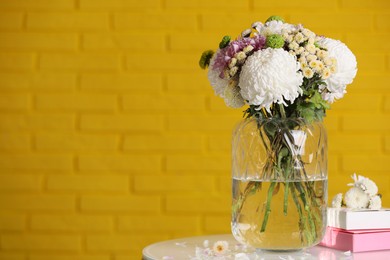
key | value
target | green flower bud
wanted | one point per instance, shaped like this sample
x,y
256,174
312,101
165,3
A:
x,y
205,59
224,42
275,18
274,41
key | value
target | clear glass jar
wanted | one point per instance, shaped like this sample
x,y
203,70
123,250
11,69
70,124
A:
x,y
279,169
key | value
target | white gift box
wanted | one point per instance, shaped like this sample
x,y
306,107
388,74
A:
x,y
352,219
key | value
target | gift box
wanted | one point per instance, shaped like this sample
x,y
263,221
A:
x,y
357,230
350,219
357,240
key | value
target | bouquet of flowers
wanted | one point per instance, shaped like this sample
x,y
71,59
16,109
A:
x,y
281,71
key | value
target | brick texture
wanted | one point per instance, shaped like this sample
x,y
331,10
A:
x,y
111,137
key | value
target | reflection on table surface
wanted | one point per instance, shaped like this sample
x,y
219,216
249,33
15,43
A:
x,y
201,248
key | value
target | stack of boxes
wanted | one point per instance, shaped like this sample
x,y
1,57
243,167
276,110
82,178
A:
x,y
357,230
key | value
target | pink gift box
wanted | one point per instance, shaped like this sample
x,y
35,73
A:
x,y
357,240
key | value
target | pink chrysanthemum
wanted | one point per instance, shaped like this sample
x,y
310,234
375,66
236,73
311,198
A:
x,y
223,57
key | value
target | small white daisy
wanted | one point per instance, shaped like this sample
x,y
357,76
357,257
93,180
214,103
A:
x,y
246,33
311,48
233,71
257,26
220,247
232,96
307,72
325,73
311,57
232,62
299,38
248,49
293,45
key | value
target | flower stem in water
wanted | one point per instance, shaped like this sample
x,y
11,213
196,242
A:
x,y
285,203
268,206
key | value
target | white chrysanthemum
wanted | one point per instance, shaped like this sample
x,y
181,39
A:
x,y
355,178
356,198
220,247
215,80
364,183
375,202
276,27
337,200
368,186
270,76
333,95
346,68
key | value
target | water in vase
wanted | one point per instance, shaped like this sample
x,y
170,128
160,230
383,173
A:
x,y
279,215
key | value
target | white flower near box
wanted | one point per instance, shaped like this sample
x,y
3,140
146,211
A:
x,y
357,222
362,195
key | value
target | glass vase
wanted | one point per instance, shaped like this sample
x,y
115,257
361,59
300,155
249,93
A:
x,y
279,169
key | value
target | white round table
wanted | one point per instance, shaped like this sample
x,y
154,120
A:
x,y
186,248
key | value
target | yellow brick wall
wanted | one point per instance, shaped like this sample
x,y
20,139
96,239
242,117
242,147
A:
x,y
111,137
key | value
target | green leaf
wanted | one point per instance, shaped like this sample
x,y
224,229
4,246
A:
x,y
306,111
253,111
205,58
318,102
282,154
224,42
